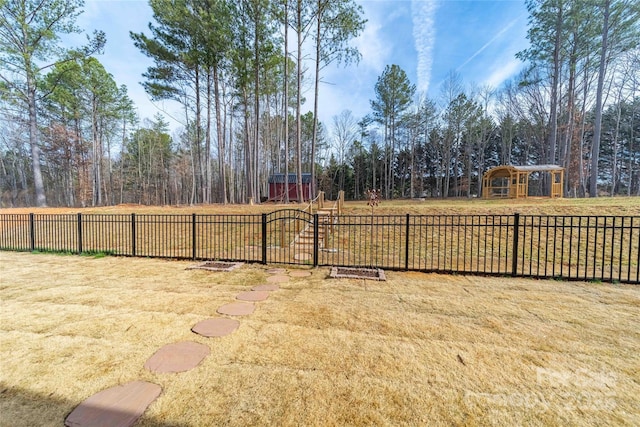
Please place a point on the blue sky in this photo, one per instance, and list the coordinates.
(427, 39)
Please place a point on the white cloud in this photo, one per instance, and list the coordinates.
(371, 45)
(424, 35)
(501, 73)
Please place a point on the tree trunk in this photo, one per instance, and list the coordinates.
(614, 162)
(314, 137)
(109, 194)
(390, 178)
(248, 155)
(198, 136)
(582, 188)
(299, 106)
(387, 156)
(96, 157)
(192, 158)
(595, 147)
(285, 105)
(208, 180)
(632, 158)
(553, 117)
(41, 199)
(568, 140)
(256, 136)
(221, 137)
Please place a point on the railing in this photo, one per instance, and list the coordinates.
(338, 204)
(604, 248)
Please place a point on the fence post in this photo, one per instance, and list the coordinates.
(516, 236)
(316, 240)
(193, 236)
(133, 234)
(32, 233)
(406, 245)
(264, 238)
(79, 233)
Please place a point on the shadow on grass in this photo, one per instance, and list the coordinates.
(24, 408)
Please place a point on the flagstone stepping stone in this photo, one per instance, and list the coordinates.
(237, 309)
(177, 357)
(300, 274)
(266, 287)
(118, 406)
(276, 271)
(253, 296)
(216, 327)
(278, 279)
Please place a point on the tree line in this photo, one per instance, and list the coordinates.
(70, 135)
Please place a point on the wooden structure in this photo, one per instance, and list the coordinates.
(277, 190)
(327, 216)
(338, 204)
(512, 182)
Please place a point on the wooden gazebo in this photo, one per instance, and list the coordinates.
(512, 182)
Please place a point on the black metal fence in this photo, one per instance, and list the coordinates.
(605, 248)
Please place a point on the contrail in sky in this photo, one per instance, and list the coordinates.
(490, 42)
(424, 37)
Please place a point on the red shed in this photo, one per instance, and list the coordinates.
(276, 187)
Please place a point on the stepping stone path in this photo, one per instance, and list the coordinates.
(216, 327)
(278, 279)
(177, 357)
(120, 406)
(237, 309)
(123, 405)
(253, 296)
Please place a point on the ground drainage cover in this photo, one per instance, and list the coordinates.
(357, 273)
(217, 266)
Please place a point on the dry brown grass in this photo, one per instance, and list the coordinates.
(531, 206)
(416, 350)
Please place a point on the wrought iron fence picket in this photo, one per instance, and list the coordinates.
(605, 248)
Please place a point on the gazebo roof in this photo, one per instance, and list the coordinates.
(507, 170)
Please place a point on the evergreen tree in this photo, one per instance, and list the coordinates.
(394, 93)
(30, 33)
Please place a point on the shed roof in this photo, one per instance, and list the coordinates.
(278, 178)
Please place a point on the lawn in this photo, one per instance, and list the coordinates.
(418, 349)
(531, 206)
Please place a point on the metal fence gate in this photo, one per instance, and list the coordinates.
(291, 236)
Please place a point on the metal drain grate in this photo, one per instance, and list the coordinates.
(217, 266)
(357, 273)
